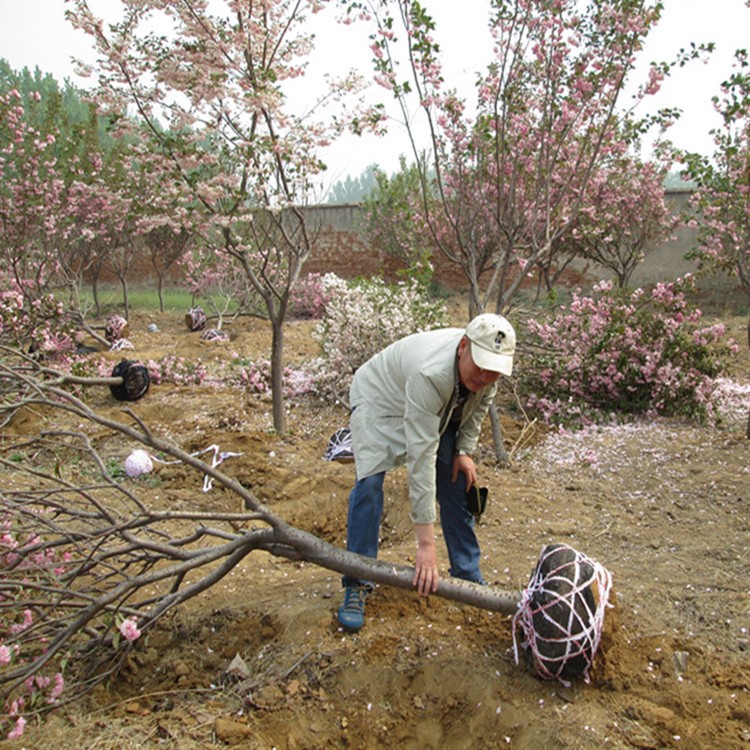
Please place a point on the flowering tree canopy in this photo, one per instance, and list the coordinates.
(619, 225)
(212, 99)
(513, 170)
(723, 196)
(58, 209)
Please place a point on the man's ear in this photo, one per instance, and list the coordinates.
(462, 344)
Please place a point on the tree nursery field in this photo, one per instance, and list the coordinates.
(662, 504)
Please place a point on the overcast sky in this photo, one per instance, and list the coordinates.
(34, 33)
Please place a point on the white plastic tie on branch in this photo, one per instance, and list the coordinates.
(218, 458)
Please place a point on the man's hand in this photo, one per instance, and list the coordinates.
(426, 572)
(466, 465)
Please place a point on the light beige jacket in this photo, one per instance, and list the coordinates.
(402, 399)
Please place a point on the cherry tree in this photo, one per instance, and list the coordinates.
(513, 169)
(61, 204)
(722, 201)
(86, 568)
(625, 218)
(723, 196)
(54, 205)
(504, 178)
(210, 91)
(165, 246)
(96, 212)
(32, 196)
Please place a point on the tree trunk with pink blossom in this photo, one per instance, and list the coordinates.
(721, 204)
(212, 98)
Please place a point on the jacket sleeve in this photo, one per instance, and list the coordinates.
(468, 433)
(422, 433)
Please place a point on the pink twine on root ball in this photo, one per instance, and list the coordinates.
(115, 328)
(561, 613)
(214, 334)
(195, 319)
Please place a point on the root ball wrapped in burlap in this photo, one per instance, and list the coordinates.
(561, 614)
(115, 328)
(136, 380)
(195, 319)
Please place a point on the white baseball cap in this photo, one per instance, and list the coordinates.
(493, 343)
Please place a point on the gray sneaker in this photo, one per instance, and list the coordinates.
(351, 613)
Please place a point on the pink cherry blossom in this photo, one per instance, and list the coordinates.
(129, 629)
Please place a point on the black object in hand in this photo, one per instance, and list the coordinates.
(476, 500)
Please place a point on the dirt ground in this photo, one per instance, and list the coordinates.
(664, 505)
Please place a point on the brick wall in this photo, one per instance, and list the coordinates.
(340, 248)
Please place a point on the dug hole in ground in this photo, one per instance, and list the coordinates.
(662, 504)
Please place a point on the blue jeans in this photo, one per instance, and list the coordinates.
(366, 511)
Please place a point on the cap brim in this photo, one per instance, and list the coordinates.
(492, 361)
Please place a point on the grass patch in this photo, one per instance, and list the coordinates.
(142, 297)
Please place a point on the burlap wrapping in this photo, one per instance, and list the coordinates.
(136, 380)
(195, 319)
(561, 613)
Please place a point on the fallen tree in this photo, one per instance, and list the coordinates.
(86, 564)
